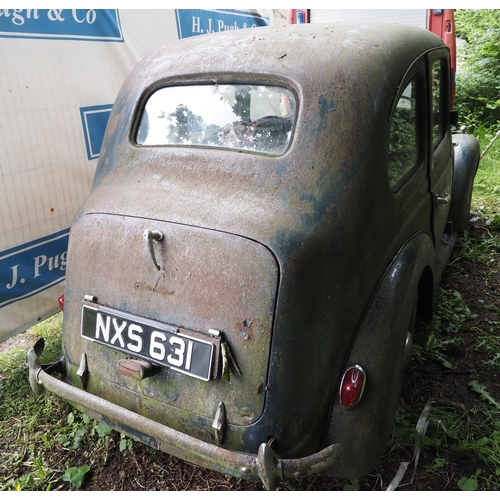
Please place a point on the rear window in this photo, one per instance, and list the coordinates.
(257, 118)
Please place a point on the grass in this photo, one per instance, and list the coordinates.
(486, 196)
(452, 433)
(45, 443)
(40, 435)
(22, 464)
(50, 331)
(451, 317)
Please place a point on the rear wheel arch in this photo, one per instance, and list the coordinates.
(467, 155)
(379, 347)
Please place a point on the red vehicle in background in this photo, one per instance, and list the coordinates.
(439, 21)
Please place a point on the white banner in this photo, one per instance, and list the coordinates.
(60, 70)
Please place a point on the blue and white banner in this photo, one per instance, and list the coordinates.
(60, 72)
(30, 268)
(101, 25)
(94, 122)
(193, 22)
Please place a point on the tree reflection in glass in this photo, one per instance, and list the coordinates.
(256, 118)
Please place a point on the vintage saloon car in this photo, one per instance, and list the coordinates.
(271, 210)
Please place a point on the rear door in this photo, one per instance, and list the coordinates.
(408, 156)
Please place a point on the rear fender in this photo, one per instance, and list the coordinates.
(467, 152)
(379, 348)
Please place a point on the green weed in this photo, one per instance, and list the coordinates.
(126, 443)
(49, 330)
(482, 391)
(477, 250)
(451, 317)
(76, 475)
(469, 483)
(352, 485)
(454, 434)
(39, 435)
(486, 194)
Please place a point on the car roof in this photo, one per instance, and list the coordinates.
(309, 54)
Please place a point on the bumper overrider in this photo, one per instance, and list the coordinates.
(264, 465)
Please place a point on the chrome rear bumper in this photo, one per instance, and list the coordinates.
(264, 465)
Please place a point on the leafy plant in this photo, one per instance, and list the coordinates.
(482, 391)
(486, 194)
(352, 485)
(76, 475)
(451, 317)
(478, 76)
(40, 434)
(125, 443)
(477, 250)
(469, 483)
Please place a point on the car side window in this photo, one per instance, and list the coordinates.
(403, 145)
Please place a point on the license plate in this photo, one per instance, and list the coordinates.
(160, 344)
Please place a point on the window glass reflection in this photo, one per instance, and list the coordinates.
(256, 118)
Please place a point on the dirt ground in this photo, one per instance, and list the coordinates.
(145, 469)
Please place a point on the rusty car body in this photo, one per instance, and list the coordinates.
(241, 291)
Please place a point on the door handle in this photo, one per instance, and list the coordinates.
(153, 235)
(442, 200)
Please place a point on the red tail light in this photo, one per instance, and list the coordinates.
(61, 302)
(352, 386)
